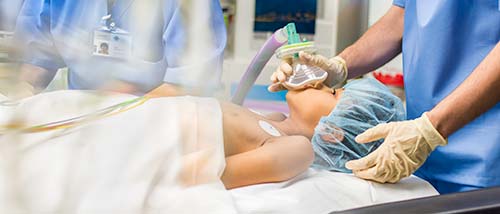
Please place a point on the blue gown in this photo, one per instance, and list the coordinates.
(59, 33)
(443, 41)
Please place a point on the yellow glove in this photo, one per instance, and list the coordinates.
(406, 146)
(335, 67)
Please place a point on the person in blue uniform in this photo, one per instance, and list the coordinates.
(145, 44)
(451, 63)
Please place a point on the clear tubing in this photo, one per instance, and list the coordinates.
(253, 71)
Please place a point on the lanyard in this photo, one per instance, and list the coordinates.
(109, 20)
(111, 4)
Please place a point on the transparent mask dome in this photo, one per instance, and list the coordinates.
(304, 76)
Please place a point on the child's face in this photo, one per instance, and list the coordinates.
(309, 105)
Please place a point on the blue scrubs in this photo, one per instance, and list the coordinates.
(443, 41)
(59, 33)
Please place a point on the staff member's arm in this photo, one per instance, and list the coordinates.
(40, 57)
(166, 90)
(381, 43)
(482, 90)
(32, 80)
(408, 144)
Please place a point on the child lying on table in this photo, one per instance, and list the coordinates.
(320, 130)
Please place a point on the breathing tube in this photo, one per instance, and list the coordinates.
(72, 122)
(278, 39)
(286, 43)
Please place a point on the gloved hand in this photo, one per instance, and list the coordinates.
(406, 146)
(336, 68)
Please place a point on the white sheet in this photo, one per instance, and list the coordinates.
(129, 163)
(323, 192)
(133, 162)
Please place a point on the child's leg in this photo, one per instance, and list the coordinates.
(277, 160)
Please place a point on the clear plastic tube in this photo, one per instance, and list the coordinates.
(303, 76)
(278, 39)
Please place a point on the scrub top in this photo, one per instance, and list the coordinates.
(60, 33)
(443, 41)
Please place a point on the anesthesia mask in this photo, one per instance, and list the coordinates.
(303, 76)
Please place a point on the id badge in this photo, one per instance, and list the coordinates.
(115, 44)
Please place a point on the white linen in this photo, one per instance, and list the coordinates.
(165, 156)
(134, 162)
(323, 192)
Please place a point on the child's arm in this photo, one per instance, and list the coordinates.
(279, 159)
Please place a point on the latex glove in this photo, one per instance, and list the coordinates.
(336, 68)
(406, 147)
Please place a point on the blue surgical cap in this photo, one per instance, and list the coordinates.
(364, 104)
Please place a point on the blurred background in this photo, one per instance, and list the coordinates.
(331, 24)
(8, 13)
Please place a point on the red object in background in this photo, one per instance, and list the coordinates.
(390, 79)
